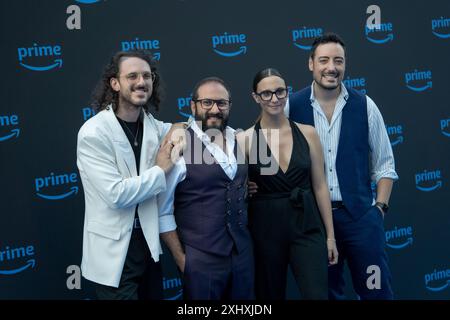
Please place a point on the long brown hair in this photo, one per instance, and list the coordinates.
(104, 95)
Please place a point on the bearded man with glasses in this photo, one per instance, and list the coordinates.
(205, 206)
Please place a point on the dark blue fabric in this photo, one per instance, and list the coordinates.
(352, 161)
(209, 208)
(362, 244)
(209, 276)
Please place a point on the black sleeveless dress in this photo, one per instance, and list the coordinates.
(285, 223)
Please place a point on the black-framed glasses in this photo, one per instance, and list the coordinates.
(134, 77)
(207, 104)
(267, 95)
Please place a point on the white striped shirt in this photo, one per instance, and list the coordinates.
(381, 156)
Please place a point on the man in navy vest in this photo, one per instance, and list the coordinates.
(357, 151)
(203, 213)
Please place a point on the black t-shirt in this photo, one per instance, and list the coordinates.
(134, 132)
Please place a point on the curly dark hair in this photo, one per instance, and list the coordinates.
(103, 94)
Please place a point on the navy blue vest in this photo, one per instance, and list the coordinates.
(352, 161)
(210, 209)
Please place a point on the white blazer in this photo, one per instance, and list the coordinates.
(112, 190)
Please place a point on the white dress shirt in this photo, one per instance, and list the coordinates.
(226, 161)
(381, 156)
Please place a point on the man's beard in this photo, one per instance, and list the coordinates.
(128, 100)
(207, 115)
(332, 87)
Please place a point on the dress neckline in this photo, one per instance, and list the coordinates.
(258, 127)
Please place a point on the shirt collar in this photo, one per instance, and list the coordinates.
(229, 132)
(343, 94)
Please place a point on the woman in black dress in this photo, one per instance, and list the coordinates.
(290, 214)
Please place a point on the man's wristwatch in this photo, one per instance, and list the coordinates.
(383, 206)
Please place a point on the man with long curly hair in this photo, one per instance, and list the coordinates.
(123, 165)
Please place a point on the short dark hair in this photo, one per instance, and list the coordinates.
(103, 94)
(268, 72)
(207, 80)
(326, 38)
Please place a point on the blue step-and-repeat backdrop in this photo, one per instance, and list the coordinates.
(52, 56)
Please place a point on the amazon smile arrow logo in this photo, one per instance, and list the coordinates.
(442, 276)
(428, 189)
(298, 45)
(385, 28)
(389, 37)
(440, 35)
(305, 34)
(11, 254)
(184, 106)
(53, 180)
(30, 263)
(428, 177)
(57, 64)
(441, 23)
(229, 40)
(424, 76)
(429, 85)
(14, 132)
(174, 285)
(73, 191)
(397, 141)
(7, 121)
(177, 296)
(408, 242)
(395, 130)
(242, 49)
(404, 235)
(87, 1)
(445, 124)
(35, 51)
(435, 289)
